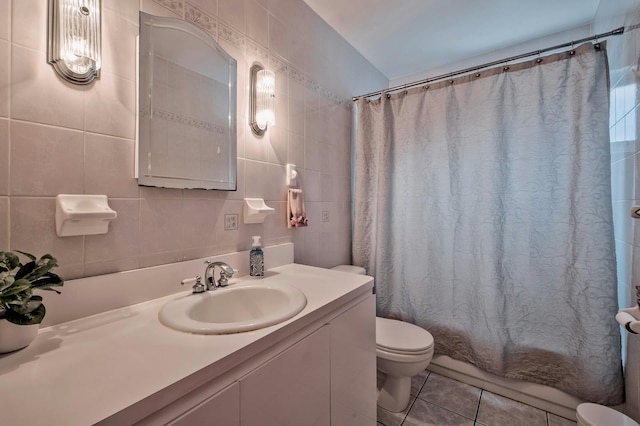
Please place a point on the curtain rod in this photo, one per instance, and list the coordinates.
(617, 31)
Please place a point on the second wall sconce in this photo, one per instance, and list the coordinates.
(74, 45)
(262, 99)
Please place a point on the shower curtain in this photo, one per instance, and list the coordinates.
(482, 208)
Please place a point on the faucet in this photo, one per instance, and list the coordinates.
(226, 272)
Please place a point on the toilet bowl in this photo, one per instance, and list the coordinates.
(402, 351)
(589, 414)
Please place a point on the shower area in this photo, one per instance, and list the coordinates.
(485, 205)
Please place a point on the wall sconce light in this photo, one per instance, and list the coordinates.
(74, 39)
(262, 99)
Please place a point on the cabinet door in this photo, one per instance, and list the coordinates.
(292, 389)
(221, 409)
(353, 366)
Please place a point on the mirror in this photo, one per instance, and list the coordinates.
(187, 107)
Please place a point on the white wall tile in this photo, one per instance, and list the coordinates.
(209, 7)
(5, 83)
(29, 23)
(295, 151)
(256, 21)
(108, 166)
(36, 217)
(169, 9)
(160, 225)
(4, 157)
(118, 45)
(232, 12)
(4, 223)
(39, 95)
(5, 22)
(199, 230)
(109, 107)
(127, 9)
(121, 242)
(45, 161)
(278, 37)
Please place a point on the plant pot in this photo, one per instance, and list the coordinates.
(14, 337)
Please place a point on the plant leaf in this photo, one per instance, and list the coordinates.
(17, 287)
(6, 282)
(25, 270)
(34, 270)
(29, 255)
(8, 261)
(33, 317)
(47, 281)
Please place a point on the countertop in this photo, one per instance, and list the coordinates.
(84, 371)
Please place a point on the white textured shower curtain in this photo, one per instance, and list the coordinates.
(483, 209)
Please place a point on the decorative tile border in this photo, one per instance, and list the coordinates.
(201, 19)
(176, 6)
(257, 50)
(230, 35)
(278, 65)
(188, 121)
(220, 30)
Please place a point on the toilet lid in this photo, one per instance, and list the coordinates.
(595, 415)
(351, 269)
(399, 336)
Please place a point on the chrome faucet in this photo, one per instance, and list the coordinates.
(226, 272)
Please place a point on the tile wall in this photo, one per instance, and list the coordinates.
(61, 138)
(624, 52)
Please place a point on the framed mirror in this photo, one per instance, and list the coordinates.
(187, 107)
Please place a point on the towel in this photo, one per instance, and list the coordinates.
(296, 214)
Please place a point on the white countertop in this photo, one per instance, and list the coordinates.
(83, 371)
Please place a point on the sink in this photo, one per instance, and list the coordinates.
(243, 307)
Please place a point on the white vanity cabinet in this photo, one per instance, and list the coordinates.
(222, 409)
(321, 378)
(292, 389)
(353, 366)
(123, 367)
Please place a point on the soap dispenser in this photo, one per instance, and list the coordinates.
(256, 258)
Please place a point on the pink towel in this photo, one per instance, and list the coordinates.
(296, 214)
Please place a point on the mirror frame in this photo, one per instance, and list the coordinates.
(145, 119)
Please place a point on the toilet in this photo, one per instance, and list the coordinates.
(589, 414)
(403, 350)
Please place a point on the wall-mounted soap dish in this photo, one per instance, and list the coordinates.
(255, 210)
(78, 214)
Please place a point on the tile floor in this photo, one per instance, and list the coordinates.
(439, 401)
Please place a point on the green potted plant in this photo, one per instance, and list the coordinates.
(22, 311)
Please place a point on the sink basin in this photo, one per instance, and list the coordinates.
(243, 307)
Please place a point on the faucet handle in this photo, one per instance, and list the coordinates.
(198, 287)
(223, 281)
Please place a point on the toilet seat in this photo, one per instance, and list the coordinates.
(403, 338)
(589, 414)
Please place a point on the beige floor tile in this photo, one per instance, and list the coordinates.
(559, 421)
(496, 410)
(423, 413)
(452, 395)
